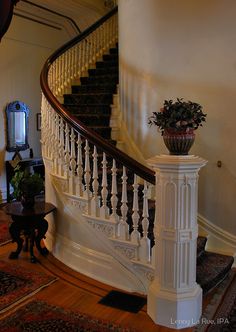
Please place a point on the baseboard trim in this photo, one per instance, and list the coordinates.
(94, 264)
(219, 240)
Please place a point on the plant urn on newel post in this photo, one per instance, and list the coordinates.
(177, 122)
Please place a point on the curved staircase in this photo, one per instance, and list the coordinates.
(101, 184)
(91, 103)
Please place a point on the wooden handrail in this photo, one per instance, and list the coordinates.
(89, 134)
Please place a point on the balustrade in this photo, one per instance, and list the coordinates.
(72, 159)
(75, 157)
(112, 189)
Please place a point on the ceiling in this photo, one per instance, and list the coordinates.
(83, 12)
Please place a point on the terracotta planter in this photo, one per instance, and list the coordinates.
(178, 143)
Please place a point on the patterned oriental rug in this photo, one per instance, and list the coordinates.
(4, 233)
(41, 316)
(18, 283)
(220, 313)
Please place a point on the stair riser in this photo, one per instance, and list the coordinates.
(97, 99)
(114, 50)
(108, 88)
(105, 64)
(95, 109)
(103, 71)
(104, 132)
(94, 120)
(112, 79)
(110, 57)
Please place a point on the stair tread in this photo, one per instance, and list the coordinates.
(212, 269)
(93, 115)
(96, 85)
(98, 126)
(88, 93)
(85, 105)
(101, 76)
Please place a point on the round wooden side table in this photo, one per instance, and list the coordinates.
(31, 221)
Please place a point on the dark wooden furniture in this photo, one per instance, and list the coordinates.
(31, 223)
(34, 165)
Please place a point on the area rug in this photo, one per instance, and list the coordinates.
(18, 283)
(4, 232)
(41, 316)
(123, 301)
(220, 313)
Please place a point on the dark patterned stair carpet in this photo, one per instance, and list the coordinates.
(201, 243)
(89, 109)
(94, 119)
(100, 79)
(91, 88)
(213, 269)
(91, 103)
(89, 98)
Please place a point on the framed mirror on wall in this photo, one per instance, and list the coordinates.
(17, 116)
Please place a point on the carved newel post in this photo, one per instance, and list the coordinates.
(174, 297)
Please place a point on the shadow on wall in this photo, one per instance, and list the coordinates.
(221, 189)
(143, 93)
(139, 98)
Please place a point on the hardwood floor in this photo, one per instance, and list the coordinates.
(77, 292)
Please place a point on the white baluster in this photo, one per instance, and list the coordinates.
(123, 226)
(144, 251)
(79, 185)
(79, 70)
(95, 199)
(54, 141)
(83, 56)
(71, 66)
(75, 63)
(135, 215)
(87, 173)
(43, 125)
(114, 199)
(104, 209)
(46, 136)
(50, 147)
(56, 77)
(67, 151)
(59, 76)
(61, 148)
(57, 143)
(72, 163)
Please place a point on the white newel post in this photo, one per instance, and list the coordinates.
(174, 297)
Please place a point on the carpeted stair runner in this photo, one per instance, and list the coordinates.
(91, 103)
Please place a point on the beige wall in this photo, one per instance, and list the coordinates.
(186, 49)
(23, 51)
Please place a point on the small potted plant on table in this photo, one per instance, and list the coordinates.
(26, 186)
(177, 122)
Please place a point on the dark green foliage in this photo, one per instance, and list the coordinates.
(26, 184)
(178, 116)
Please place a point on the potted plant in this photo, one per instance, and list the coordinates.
(26, 186)
(177, 121)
